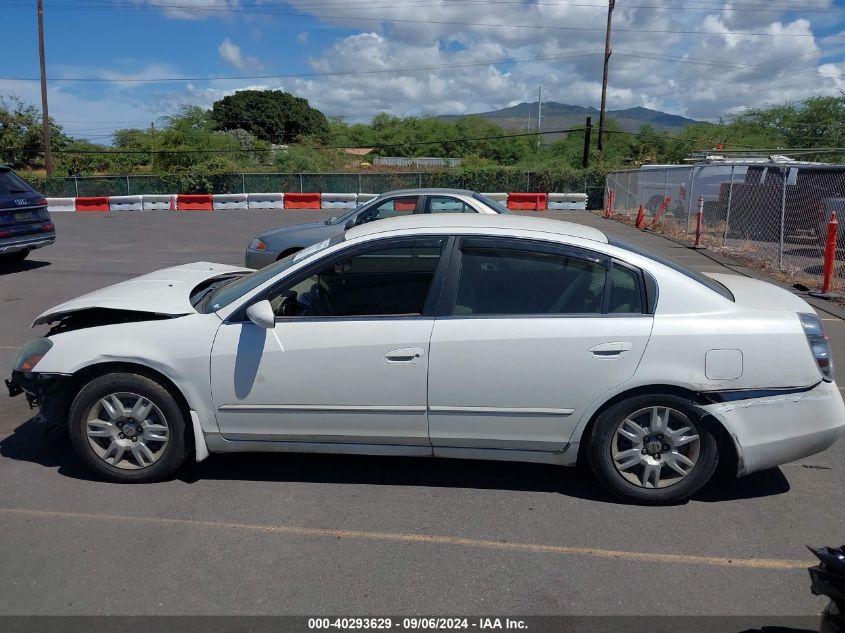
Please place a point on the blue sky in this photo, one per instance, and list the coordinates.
(701, 58)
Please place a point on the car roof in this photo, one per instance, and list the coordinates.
(465, 222)
(426, 190)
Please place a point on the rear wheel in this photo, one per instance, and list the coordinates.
(14, 258)
(127, 428)
(652, 449)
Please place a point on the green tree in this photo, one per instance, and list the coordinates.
(270, 115)
(21, 141)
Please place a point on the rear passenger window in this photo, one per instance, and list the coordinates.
(511, 281)
(625, 294)
(443, 204)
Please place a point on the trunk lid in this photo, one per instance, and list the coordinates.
(760, 295)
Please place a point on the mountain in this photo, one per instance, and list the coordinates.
(561, 116)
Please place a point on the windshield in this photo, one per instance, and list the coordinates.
(498, 208)
(346, 216)
(225, 294)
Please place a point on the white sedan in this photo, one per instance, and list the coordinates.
(465, 336)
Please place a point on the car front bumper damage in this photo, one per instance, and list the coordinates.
(51, 393)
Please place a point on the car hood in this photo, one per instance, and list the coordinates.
(284, 234)
(165, 291)
(760, 295)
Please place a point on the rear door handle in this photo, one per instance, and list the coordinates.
(404, 355)
(611, 350)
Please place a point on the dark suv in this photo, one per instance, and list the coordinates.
(24, 221)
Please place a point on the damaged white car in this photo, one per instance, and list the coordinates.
(488, 337)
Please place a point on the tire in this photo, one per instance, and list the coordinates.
(615, 450)
(158, 448)
(14, 258)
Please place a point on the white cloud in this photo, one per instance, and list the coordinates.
(197, 9)
(702, 63)
(231, 53)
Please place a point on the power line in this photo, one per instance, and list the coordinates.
(504, 60)
(350, 73)
(700, 5)
(328, 147)
(457, 23)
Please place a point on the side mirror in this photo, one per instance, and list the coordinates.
(261, 314)
(349, 224)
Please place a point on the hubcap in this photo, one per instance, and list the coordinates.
(655, 447)
(127, 431)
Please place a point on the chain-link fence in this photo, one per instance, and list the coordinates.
(772, 215)
(589, 182)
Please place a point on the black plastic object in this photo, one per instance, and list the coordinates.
(828, 579)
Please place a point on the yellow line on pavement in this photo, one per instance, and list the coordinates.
(402, 537)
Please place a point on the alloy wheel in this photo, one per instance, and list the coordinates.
(655, 447)
(127, 430)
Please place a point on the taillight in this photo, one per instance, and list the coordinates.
(41, 202)
(48, 227)
(5, 234)
(257, 245)
(819, 345)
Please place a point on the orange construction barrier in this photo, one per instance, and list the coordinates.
(94, 203)
(830, 253)
(194, 202)
(640, 218)
(527, 201)
(302, 200)
(405, 204)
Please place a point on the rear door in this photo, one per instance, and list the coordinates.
(529, 335)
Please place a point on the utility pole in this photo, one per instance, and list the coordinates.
(585, 161)
(45, 115)
(610, 5)
(539, 114)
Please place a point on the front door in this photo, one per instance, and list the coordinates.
(348, 358)
(530, 337)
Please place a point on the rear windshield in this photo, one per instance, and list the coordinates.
(498, 208)
(11, 183)
(704, 280)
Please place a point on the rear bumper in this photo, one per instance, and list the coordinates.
(778, 429)
(26, 242)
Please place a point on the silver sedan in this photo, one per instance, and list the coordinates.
(275, 244)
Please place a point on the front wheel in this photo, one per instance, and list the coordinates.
(127, 428)
(652, 450)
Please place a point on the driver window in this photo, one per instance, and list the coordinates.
(389, 280)
(406, 205)
(512, 281)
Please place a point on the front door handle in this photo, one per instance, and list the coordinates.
(611, 350)
(404, 355)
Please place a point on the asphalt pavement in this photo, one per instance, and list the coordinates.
(308, 535)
